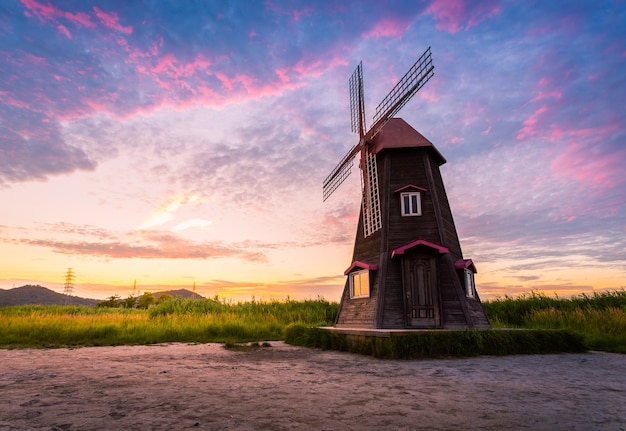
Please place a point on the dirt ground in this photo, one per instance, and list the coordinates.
(204, 386)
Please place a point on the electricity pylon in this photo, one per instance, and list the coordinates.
(69, 284)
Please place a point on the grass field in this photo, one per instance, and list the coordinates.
(600, 319)
(177, 320)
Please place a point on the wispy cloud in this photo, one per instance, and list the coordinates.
(155, 245)
(453, 16)
(191, 224)
(167, 211)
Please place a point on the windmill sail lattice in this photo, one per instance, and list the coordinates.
(400, 94)
(339, 175)
(357, 103)
(371, 202)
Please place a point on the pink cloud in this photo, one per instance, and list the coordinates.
(17, 103)
(531, 125)
(64, 30)
(111, 20)
(246, 82)
(473, 112)
(34, 59)
(185, 81)
(455, 15)
(429, 92)
(544, 95)
(596, 175)
(580, 161)
(594, 77)
(529, 128)
(388, 27)
(314, 68)
(50, 13)
(171, 66)
(544, 91)
(171, 73)
(96, 106)
(296, 15)
(165, 62)
(226, 81)
(309, 67)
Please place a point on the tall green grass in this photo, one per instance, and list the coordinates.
(600, 318)
(177, 320)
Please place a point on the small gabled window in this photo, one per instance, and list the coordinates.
(359, 284)
(470, 288)
(411, 204)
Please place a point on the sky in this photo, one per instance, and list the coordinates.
(183, 144)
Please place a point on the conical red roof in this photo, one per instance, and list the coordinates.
(397, 133)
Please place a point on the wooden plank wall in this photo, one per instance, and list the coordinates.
(479, 318)
(407, 167)
(451, 236)
(361, 312)
(393, 305)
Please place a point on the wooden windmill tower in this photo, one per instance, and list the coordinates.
(407, 269)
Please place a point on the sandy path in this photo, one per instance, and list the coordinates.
(282, 387)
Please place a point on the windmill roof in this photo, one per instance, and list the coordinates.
(397, 133)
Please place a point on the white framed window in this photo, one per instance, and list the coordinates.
(470, 289)
(411, 204)
(359, 284)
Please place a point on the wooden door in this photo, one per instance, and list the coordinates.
(421, 297)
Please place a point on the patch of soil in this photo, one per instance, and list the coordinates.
(282, 387)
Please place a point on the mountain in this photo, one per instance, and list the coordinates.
(40, 295)
(183, 293)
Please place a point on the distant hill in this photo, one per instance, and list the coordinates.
(40, 295)
(183, 293)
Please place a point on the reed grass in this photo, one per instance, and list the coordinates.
(600, 318)
(177, 320)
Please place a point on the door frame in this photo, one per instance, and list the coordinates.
(433, 310)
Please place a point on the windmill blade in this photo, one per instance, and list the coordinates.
(357, 101)
(411, 82)
(357, 117)
(340, 173)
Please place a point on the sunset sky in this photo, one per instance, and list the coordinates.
(181, 143)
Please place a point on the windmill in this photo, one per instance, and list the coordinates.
(400, 94)
(407, 270)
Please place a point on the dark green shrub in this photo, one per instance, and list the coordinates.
(438, 343)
